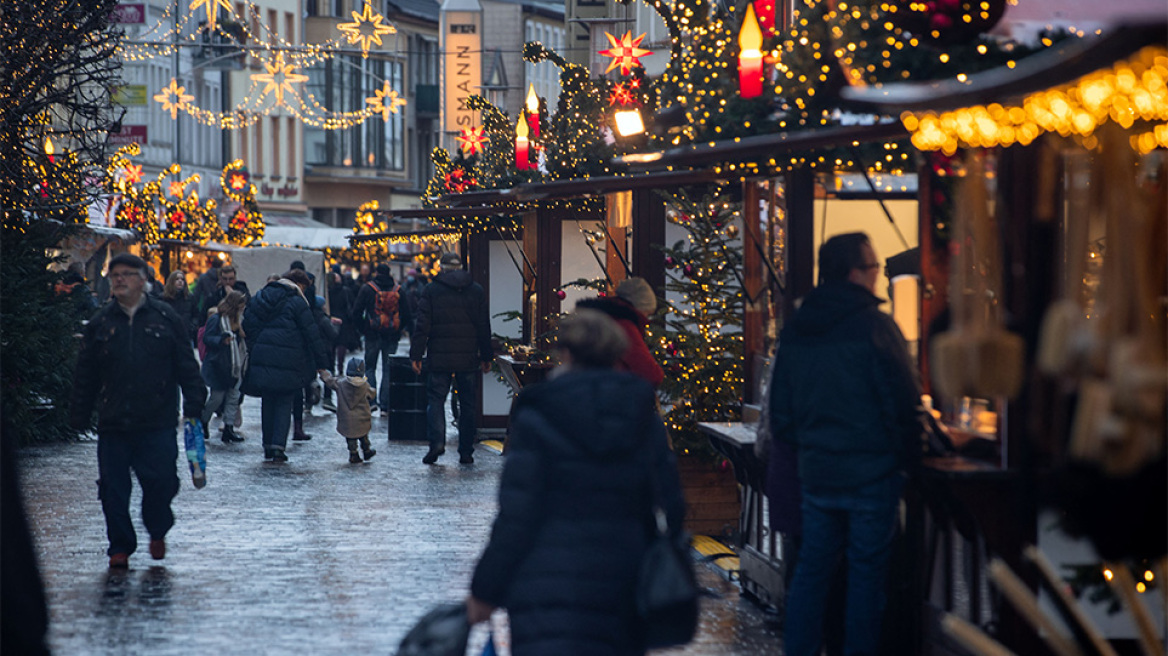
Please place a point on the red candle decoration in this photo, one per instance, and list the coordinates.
(522, 147)
(765, 9)
(750, 56)
(532, 104)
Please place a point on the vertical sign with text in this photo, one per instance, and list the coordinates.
(462, 68)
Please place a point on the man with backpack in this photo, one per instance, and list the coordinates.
(382, 313)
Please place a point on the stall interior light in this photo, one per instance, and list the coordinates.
(629, 122)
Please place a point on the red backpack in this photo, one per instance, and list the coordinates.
(385, 312)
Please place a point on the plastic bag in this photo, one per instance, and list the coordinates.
(196, 448)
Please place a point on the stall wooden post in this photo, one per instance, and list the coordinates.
(754, 313)
(618, 217)
(648, 232)
(542, 235)
(800, 237)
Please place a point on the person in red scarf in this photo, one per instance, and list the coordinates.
(630, 307)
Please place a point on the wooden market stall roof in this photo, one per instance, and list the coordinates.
(1057, 65)
(762, 148)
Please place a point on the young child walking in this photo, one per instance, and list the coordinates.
(353, 416)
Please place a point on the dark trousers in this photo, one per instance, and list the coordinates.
(276, 418)
(437, 387)
(386, 346)
(857, 522)
(151, 455)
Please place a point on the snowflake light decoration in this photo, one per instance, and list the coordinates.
(385, 101)
(173, 97)
(366, 28)
(132, 174)
(625, 52)
(212, 9)
(279, 78)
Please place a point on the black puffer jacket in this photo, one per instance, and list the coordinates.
(452, 329)
(574, 514)
(283, 342)
(844, 390)
(133, 370)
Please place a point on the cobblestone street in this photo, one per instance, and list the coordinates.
(316, 556)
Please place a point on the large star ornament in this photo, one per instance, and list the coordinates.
(279, 78)
(173, 97)
(625, 52)
(472, 140)
(366, 28)
(385, 101)
(132, 174)
(212, 9)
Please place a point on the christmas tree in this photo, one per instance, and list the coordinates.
(701, 345)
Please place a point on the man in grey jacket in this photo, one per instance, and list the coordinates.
(453, 332)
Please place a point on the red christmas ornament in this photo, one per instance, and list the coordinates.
(561, 294)
(688, 270)
(670, 263)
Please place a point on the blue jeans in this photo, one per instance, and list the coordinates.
(860, 522)
(151, 455)
(386, 345)
(437, 387)
(276, 418)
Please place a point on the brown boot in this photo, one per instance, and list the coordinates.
(298, 433)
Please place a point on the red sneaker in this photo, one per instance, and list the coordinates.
(158, 549)
(119, 561)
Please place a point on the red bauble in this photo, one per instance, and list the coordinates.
(688, 270)
(670, 263)
(941, 22)
(561, 294)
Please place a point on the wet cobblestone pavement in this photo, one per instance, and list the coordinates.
(316, 556)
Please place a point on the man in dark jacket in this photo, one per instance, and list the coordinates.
(379, 340)
(204, 293)
(135, 354)
(285, 352)
(453, 332)
(845, 394)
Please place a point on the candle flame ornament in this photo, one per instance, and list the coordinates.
(625, 52)
(750, 56)
(522, 147)
(532, 104)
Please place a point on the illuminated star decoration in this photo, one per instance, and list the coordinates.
(621, 95)
(176, 188)
(357, 32)
(472, 140)
(212, 9)
(279, 78)
(238, 181)
(625, 52)
(132, 174)
(179, 95)
(385, 101)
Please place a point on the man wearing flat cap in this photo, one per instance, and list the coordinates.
(135, 355)
(453, 332)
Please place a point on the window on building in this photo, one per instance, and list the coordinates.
(342, 84)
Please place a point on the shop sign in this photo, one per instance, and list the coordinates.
(129, 134)
(131, 94)
(462, 68)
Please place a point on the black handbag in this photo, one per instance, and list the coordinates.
(667, 591)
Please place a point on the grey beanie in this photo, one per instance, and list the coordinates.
(355, 368)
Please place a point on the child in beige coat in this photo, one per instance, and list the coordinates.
(354, 418)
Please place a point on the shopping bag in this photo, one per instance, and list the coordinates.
(196, 448)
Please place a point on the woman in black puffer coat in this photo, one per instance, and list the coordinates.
(285, 351)
(575, 503)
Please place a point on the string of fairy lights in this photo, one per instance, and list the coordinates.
(281, 84)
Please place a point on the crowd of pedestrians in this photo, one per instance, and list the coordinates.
(588, 454)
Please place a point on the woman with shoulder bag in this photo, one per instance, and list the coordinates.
(587, 463)
(225, 362)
